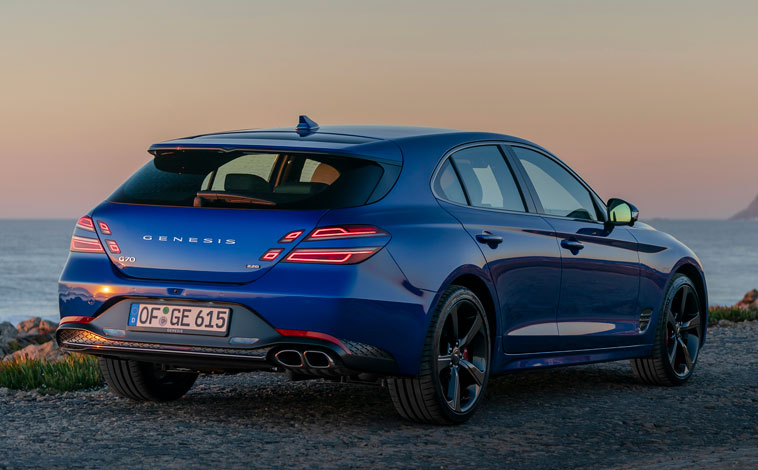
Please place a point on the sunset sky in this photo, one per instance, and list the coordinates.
(652, 101)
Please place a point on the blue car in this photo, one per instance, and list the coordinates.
(423, 260)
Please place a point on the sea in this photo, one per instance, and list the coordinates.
(33, 252)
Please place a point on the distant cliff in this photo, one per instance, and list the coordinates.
(751, 213)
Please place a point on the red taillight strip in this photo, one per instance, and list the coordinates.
(86, 245)
(345, 231)
(313, 334)
(104, 227)
(73, 319)
(113, 246)
(291, 237)
(331, 256)
(271, 254)
(86, 223)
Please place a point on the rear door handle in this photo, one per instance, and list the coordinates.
(573, 245)
(489, 239)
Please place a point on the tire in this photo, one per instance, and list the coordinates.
(455, 364)
(678, 337)
(143, 381)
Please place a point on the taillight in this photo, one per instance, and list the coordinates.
(271, 254)
(86, 223)
(345, 231)
(291, 237)
(331, 255)
(113, 246)
(86, 245)
(104, 227)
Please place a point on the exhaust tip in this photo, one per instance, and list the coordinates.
(318, 360)
(289, 358)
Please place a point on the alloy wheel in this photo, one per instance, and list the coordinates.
(683, 330)
(462, 356)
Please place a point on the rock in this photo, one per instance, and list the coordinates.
(750, 213)
(8, 335)
(36, 326)
(750, 301)
(48, 351)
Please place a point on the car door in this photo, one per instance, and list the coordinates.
(599, 292)
(476, 185)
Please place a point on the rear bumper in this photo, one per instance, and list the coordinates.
(370, 303)
(104, 336)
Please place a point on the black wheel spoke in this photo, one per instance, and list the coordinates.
(454, 390)
(473, 371)
(670, 318)
(693, 323)
(443, 362)
(472, 332)
(683, 308)
(672, 350)
(685, 353)
(454, 322)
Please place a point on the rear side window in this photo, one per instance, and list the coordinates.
(448, 186)
(559, 192)
(487, 179)
(204, 178)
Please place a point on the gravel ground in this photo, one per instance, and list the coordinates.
(593, 416)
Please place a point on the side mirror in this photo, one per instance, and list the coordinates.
(621, 212)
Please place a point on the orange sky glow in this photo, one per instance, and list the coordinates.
(652, 101)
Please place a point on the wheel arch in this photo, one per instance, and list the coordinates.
(485, 292)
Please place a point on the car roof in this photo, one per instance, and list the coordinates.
(389, 143)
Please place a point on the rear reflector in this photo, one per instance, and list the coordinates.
(86, 245)
(271, 254)
(86, 223)
(104, 227)
(113, 246)
(73, 319)
(313, 334)
(331, 256)
(290, 237)
(345, 231)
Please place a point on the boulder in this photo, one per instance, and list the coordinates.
(36, 326)
(750, 301)
(8, 335)
(48, 351)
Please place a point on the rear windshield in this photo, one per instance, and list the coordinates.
(203, 178)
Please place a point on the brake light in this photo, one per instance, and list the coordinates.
(271, 254)
(291, 237)
(345, 231)
(113, 246)
(331, 256)
(86, 245)
(104, 228)
(86, 223)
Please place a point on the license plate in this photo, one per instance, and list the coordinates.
(186, 319)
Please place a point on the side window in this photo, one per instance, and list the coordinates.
(558, 190)
(448, 186)
(487, 179)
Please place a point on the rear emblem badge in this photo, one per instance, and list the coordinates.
(253, 266)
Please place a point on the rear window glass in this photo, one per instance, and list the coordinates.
(202, 178)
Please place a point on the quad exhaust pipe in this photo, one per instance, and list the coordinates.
(295, 359)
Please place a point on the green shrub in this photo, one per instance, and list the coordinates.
(731, 314)
(74, 372)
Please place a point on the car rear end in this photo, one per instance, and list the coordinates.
(214, 258)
